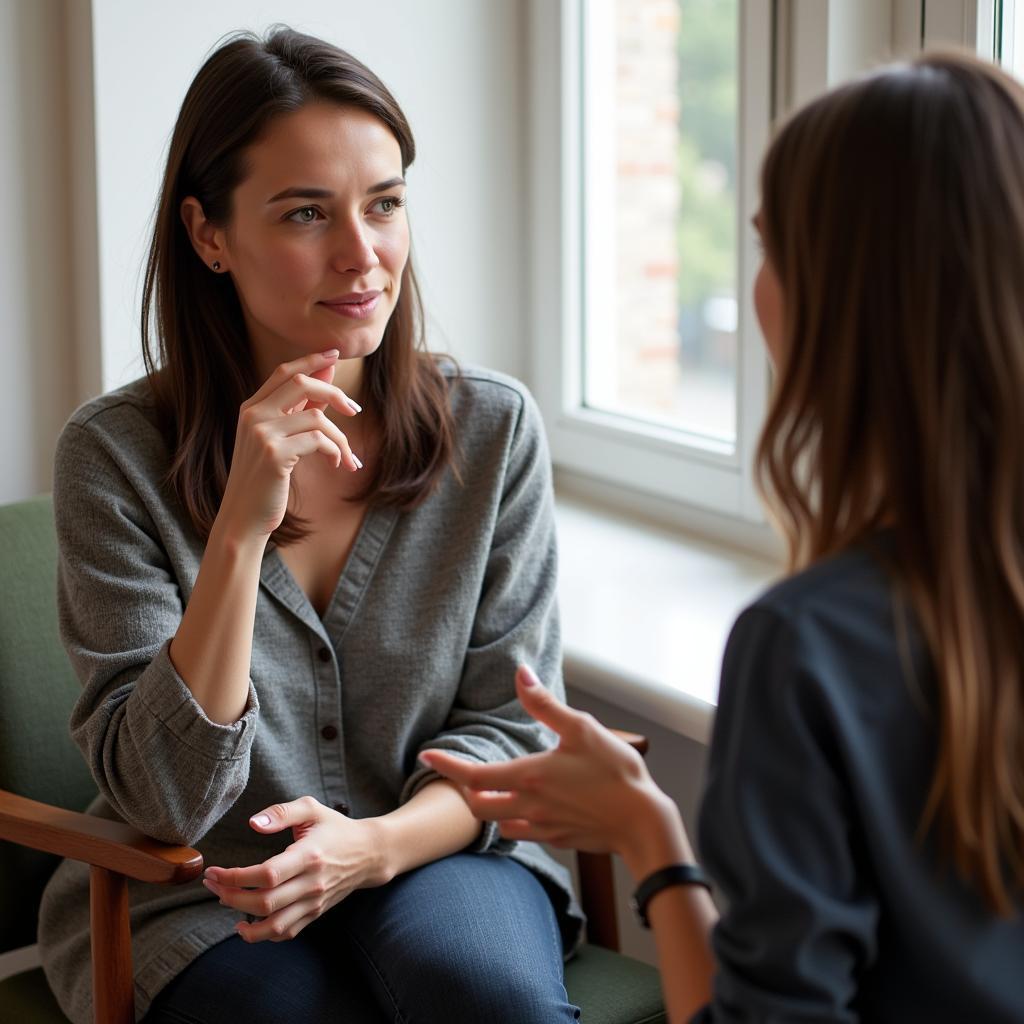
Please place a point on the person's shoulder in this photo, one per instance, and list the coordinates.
(482, 386)
(834, 625)
(129, 404)
(852, 581)
(486, 401)
(121, 421)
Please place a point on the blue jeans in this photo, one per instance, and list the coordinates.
(470, 938)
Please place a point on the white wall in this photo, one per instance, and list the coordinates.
(37, 369)
(453, 65)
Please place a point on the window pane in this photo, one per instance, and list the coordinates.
(661, 311)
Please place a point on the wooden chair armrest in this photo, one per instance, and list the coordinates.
(634, 739)
(97, 841)
(597, 880)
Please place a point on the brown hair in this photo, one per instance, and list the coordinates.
(893, 215)
(199, 363)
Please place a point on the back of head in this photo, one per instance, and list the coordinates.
(893, 213)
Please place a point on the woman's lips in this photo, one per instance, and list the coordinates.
(355, 309)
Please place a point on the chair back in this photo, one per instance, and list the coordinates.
(37, 691)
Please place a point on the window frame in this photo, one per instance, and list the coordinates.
(789, 50)
(617, 450)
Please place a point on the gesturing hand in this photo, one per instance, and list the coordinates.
(331, 856)
(592, 792)
(283, 422)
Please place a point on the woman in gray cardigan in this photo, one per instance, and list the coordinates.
(295, 555)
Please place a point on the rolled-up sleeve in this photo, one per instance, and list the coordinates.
(777, 834)
(157, 759)
(516, 622)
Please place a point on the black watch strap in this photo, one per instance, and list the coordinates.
(674, 874)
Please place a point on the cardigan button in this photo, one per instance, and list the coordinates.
(324, 654)
(343, 808)
(329, 732)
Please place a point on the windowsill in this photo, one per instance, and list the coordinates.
(646, 611)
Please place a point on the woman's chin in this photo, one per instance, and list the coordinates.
(352, 342)
(359, 347)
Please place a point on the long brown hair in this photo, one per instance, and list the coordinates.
(195, 344)
(893, 215)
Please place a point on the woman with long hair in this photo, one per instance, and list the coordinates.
(864, 812)
(297, 553)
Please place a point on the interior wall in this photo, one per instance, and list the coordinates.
(37, 385)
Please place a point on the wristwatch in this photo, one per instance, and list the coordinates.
(674, 874)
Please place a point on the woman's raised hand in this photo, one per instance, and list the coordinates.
(592, 792)
(284, 421)
(331, 856)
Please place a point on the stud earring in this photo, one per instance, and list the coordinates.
(216, 264)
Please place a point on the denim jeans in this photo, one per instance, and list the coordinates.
(471, 938)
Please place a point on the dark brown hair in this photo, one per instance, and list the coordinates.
(893, 215)
(195, 344)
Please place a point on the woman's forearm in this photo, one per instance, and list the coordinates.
(212, 649)
(435, 823)
(681, 917)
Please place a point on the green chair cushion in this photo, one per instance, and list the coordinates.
(614, 989)
(26, 998)
(37, 692)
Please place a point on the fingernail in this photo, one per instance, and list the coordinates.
(331, 353)
(261, 819)
(529, 679)
(354, 405)
(208, 873)
(355, 459)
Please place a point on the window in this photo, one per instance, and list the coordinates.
(660, 117)
(649, 366)
(648, 121)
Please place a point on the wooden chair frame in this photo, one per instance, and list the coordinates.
(117, 852)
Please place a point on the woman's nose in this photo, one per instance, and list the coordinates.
(354, 251)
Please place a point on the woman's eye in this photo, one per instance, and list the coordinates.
(304, 215)
(389, 204)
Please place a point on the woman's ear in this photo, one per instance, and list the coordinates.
(207, 239)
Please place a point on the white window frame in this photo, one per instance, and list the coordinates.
(970, 23)
(790, 50)
(1010, 33)
(628, 453)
